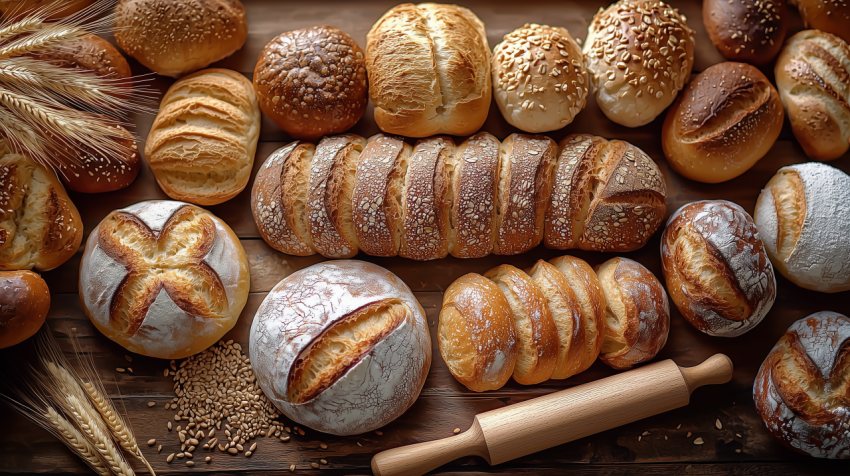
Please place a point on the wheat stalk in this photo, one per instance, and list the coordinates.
(91, 427)
(76, 441)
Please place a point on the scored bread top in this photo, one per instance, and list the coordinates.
(474, 184)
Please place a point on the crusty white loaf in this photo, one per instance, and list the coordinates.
(341, 347)
(429, 70)
(803, 217)
(800, 390)
(639, 55)
(163, 278)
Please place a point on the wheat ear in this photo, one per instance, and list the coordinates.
(23, 26)
(72, 437)
(89, 425)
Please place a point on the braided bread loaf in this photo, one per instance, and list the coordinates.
(423, 202)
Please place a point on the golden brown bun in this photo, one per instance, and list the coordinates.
(727, 119)
(831, 16)
(201, 145)
(475, 183)
(331, 183)
(585, 285)
(606, 196)
(639, 55)
(378, 197)
(279, 199)
(88, 171)
(812, 74)
(637, 318)
(164, 279)
(751, 31)
(312, 82)
(429, 70)
(525, 184)
(537, 336)
(539, 79)
(39, 225)
(177, 37)
(476, 333)
(91, 53)
(801, 388)
(24, 302)
(716, 267)
(21, 8)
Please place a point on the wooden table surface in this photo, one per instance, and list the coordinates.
(658, 445)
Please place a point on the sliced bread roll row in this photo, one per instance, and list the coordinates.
(425, 201)
(551, 321)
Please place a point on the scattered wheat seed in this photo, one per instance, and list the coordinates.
(119, 369)
(379, 432)
(689, 435)
(314, 465)
(284, 438)
(456, 431)
(159, 449)
(248, 454)
(718, 424)
(207, 459)
(150, 404)
(323, 461)
(300, 431)
(170, 457)
(639, 437)
(165, 373)
(190, 463)
(253, 447)
(130, 369)
(680, 426)
(698, 441)
(292, 468)
(738, 435)
(645, 433)
(738, 450)
(128, 358)
(232, 451)
(358, 444)
(169, 425)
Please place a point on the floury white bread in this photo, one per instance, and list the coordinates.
(164, 279)
(803, 217)
(341, 347)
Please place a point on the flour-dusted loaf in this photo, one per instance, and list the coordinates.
(177, 37)
(539, 78)
(717, 269)
(803, 217)
(639, 55)
(476, 333)
(24, 302)
(606, 196)
(751, 31)
(801, 388)
(813, 79)
(201, 145)
(163, 278)
(341, 347)
(429, 70)
(637, 318)
(39, 225)
(831, 16)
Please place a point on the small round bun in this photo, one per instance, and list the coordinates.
(177, 37)
(803, 217)
(800, 390)
(811, 75)
(164, 279)
(476, 333)
(727, 119)
(830, 16)
(88, 171)
(637, 317)
(750, 31)
(716, 267)
(312, 82)
(341, 347)
(24, 302)
(537, 335)
(639, 55)
(539, 79)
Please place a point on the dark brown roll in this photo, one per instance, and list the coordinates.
(751, 31)
(24, 302)
(831, 16)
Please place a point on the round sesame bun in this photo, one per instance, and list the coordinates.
(751, 31)
(312, 82)
(89, 171)
(639, 55)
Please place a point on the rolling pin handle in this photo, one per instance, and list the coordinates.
(418, 459)
(716, 369)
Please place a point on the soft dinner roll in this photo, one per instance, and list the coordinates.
(539, 79)
(801, 388)
(89, 171)
(330, 186)
(475, 183)
(279, 199)
(176, 37)
(202, 143)
(606, 196)
(312, 82)
(813, 78)
(637, 318)
(751, 31)
(39, 225)
(727, 119)
(537, 336)
(476, 333)
(429, 70)
(164, 279)
(341, 347)
(525, 184)
(716, 267)
(639, 54)
(803, 217)
(831, 16)
(24, 302)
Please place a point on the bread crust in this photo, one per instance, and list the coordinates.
(475, 182)
(828, 16)
(88, 171)
(24, 302)
(91, 53)
(751, 31)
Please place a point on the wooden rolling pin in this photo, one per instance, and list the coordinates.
(543, 422)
